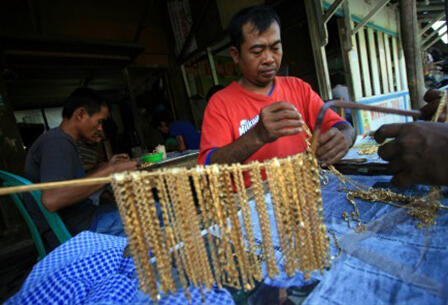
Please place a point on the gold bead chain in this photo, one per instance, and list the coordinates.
(215, 199)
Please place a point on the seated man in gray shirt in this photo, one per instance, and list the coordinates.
(54, 157)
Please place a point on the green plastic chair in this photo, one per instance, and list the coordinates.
(53, 219)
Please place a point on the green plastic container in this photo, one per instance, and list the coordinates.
(152, 158)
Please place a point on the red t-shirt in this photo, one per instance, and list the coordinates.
(233, 110)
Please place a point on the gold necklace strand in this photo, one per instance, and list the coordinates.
(440, 107)
(213, 172)
(291, 227)
(198, 242)
(254, 270)
(320, 231)
(182, 217)
(237, 235)
(268, 249)
(172, 208)
(229, 265)
(226, 194)
(139, 250)
(298, 205)
(315, 168)
(310, 213)
(291, 224)
(169, 235)
(424, 209)
(199, 252)
(283, 232)
(209, 224)
(295, 201)
(160, 250)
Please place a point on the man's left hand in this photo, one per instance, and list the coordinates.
(333, 145)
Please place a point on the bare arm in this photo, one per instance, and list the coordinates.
(180, 140)
(276, 120)
(53, 200)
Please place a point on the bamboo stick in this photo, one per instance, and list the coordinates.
(54, 185)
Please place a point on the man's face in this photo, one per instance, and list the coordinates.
(164, 128)
(92, 125)
(260, 55)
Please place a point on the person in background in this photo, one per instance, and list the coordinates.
(186, 135)
(54, 156)
(340, 91)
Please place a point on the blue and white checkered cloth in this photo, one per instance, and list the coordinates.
(90, 269)
(391, 263)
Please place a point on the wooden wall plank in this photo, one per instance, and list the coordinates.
(396, 64)
(355, 69)
(374, 68)
(383, 64)
(390, 76)
(364, 63)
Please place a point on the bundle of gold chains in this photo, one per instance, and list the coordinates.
(206, 232)
(424, 208)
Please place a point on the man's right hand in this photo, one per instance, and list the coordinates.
(121, 162)
(278, 120)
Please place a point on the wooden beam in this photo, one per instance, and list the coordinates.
(12, 153)
(66, 55)
(412, 51)
(380, 4)
(145, 11)
(427, 46)
(433, 34)
(332, 10)
(347, 28)
(431, 23)
(430, 8)
(314, 14)
(211, 62)
(34, 16)
(134, 109)
(194, 28)
(189, 95)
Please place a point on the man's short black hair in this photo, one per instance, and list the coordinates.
(83, 97)
(157, 120)
(261, 16)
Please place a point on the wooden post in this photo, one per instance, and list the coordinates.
(12, 153)
(134, 109)
(12, 159)
(412, 51)
(317, 29)
(211, 63)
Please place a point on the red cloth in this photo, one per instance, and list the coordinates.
(233, 110)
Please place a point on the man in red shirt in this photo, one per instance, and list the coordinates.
(261, 116)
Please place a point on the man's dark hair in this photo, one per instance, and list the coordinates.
(261, 16)
(161, 117)
(83, 97)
